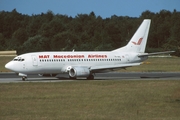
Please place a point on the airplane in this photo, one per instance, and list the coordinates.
(85, 63)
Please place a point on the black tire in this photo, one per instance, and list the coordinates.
(90, 77)
(23, 78)
(72, 77)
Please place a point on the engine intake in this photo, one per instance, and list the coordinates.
(79, 72)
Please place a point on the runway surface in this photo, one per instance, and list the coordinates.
(12, 77)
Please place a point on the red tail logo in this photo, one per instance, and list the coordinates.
(139, 41)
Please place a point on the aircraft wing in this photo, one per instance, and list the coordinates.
(104, 67)
(156, 53)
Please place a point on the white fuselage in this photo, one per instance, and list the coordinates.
(61, 62)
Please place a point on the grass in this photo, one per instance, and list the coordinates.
(171, 64)
(97, 100)
(3, 61)
(93, 100)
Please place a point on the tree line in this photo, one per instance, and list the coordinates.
(56, 32)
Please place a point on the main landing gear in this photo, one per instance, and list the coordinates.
(90, 77)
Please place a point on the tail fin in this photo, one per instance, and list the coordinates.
(139, 39)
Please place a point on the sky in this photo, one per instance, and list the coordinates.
(103, 8)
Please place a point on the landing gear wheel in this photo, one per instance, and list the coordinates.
(24, 78)
(72, 77)
(90, 77)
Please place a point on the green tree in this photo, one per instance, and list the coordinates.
(52, 28)
(20, 36)
(34, 44)
(47, 31)
(2, 42)
(64, 41)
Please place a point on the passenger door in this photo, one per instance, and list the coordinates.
(34, 60)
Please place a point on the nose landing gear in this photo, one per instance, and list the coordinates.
(24, 76)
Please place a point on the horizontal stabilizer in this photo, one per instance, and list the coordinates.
(156, 53)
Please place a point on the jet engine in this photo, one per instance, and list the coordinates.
(79, 72)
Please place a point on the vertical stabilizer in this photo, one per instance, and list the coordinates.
(139, 39)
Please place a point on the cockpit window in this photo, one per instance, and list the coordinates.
(15, 59)
(18, 59)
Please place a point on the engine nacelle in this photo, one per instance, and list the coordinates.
(47, 75)
(79, 72)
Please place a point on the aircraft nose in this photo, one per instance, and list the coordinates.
(9, 66)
